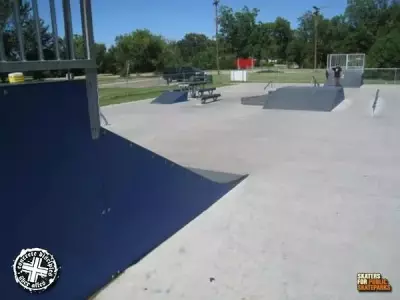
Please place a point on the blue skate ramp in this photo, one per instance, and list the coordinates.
(305, 98)
(171, 97)
(350, 78)
(98, 206)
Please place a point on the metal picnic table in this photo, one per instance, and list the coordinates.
(192, 87)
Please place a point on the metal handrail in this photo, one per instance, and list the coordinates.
(315, 81)
(103, 117)
(268, 84)
(375, 101)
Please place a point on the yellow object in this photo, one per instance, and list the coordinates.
(16, 77)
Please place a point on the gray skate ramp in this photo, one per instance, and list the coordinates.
(254, 100)
(305, 98)
(171, 97)
(258, 100)
(350, 78)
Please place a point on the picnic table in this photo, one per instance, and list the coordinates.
(193, 87)
(208, 93)
(197, 89)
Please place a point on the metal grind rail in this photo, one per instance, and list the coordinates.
(269, 84)
(375, 101)
(19, 63)
(315, 82)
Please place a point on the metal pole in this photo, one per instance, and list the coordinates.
(68, 29)
(37, 27)
(17, 25)
(216, 2)
(91, 74)
(54, 27)
(2, 49)
(86, 51)
(69, 41)
(316, 13)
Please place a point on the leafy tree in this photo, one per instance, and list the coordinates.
(110, 64)
(80, 51)
(171, 55)
(298, 49)
(282, 35)
(385, 53)
(236, 29)
(192, 44)
(140, 49)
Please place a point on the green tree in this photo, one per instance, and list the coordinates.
(298, 50)
(80, 51)
(171, 55)
(263, 41)
(385, 53)
(237, 30)
(192, 44)
(110, 64)
(282, 36)
(141, 50)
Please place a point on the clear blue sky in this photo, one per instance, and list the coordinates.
(174, 18)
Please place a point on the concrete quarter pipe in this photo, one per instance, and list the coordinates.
(97, 205)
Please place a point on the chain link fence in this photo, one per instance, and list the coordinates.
(382, 76)
(371, 76)
(348, 61)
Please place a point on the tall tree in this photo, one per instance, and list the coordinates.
(282, 35)
(192, 44)
(140, 49)
(236, 30)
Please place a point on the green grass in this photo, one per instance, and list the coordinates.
(380, 81)
(284, 76)
(109, 96)
(288, 77)
(121, 95)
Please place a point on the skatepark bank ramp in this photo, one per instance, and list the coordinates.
(305, 98)
(97, 206)
(171, 97)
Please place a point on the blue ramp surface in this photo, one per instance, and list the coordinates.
(305, 98)
(97, 205)
(171, 97)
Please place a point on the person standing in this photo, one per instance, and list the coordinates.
(337, 73)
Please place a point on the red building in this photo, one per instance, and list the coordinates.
(245, 63)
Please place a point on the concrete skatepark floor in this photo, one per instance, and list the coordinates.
(321, 203)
